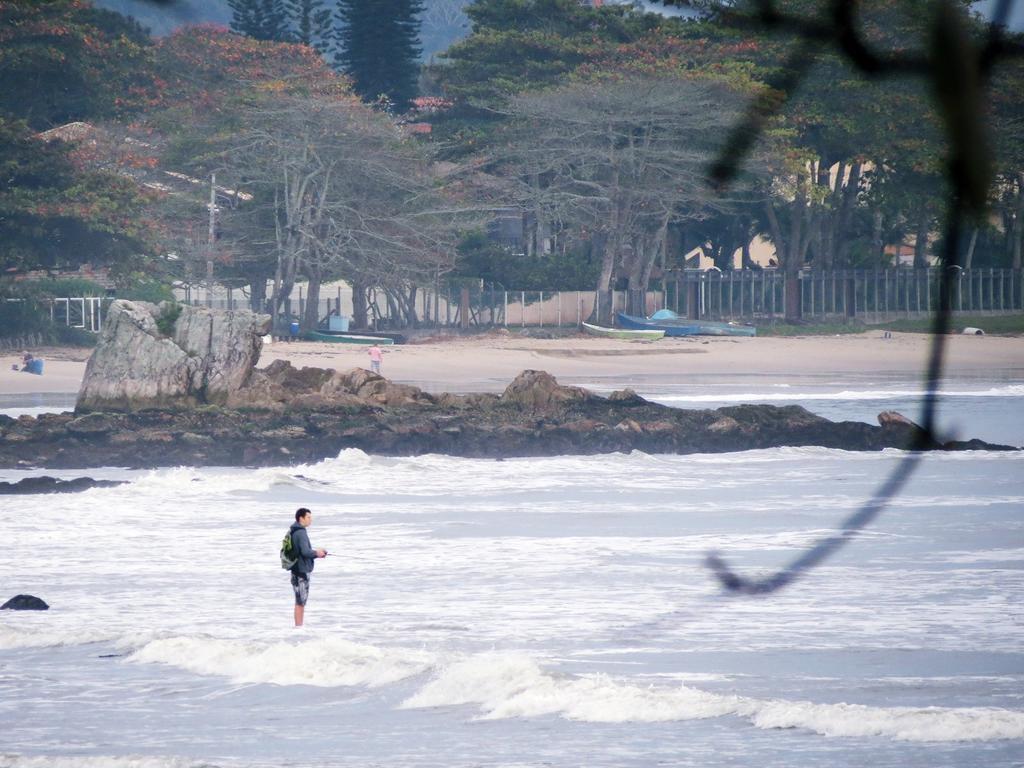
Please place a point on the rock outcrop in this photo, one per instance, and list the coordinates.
(281, 385)
(169, 355)
(25, 603)
(46, 484)
(538, 391)
(286, 415)
(172, 385)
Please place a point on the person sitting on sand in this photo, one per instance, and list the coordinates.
(32, 364)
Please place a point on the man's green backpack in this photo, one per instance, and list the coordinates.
(289, 557)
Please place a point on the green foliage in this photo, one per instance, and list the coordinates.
(63, 60)
(22, 316)
(259, 19)
(25, 310)
(1010, 325)
(810, 329)
(55, 215)
(169, 313)
(311, 23)
(143, 289)
(520, 44)
(482, 258)
(379, 49)
(285, 21)
(63, 287)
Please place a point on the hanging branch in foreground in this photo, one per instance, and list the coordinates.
(957, 71)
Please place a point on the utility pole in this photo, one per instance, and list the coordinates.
(209, 242)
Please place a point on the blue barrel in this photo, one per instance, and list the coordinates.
(35, 365)
(294, 328)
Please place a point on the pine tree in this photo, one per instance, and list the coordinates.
(261, 19)
(310, 23)
(379, 48)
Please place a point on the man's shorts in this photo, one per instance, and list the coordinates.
(300, 584)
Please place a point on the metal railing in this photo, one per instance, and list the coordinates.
(745, 295)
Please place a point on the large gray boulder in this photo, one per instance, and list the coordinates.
(168, 355)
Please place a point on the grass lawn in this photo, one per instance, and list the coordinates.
(990, 324)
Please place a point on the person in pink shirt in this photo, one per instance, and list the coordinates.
(376, 355)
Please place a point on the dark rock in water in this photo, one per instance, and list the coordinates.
(25, 603)
(285, 415)
(626, 397)
(895, 419)
(46, 484)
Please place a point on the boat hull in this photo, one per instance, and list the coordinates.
(348, 338)
(638, 334)
(681, 326)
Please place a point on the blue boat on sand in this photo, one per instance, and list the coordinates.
(674, 325)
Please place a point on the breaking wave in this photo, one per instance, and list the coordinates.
(513, 685)
(104, 761)
(12, 638)
(324, 661)
(1010, 390)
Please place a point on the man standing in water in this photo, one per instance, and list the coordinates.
(305, 556)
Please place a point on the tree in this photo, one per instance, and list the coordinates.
(213, 82)
(519, 45)
(1008, 194)
(285, 21)
(443, 23)
(63, 60)
(311, 23)
(260, 19)
(346, 197)
(379, 49)
(619, 159)
(55, 214)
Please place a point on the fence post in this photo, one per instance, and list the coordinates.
(559, 294)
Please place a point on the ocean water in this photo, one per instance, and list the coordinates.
(532, 612)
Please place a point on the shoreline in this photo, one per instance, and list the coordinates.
(487, 363)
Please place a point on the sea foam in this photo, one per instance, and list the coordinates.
(12, 638)
(105, 761)
(1010, 390)
(320, 661)
(515, 685)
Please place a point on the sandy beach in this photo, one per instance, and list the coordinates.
(487, 363)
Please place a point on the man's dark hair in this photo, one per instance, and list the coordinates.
(300, 513)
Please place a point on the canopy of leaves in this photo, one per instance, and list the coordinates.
(54, 214)
(63, 60)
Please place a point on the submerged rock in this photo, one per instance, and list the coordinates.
(25, 603)
(46, 484)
